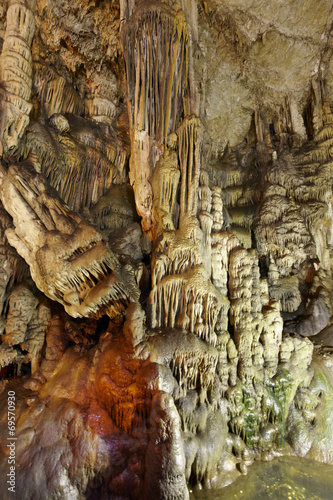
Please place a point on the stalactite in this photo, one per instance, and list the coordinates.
(205, 217)
(321, 110)
(83, 264)
(192, 361)
(189, 138)
(186, 300)
(54, 94)
(155, 45)
(290, 121)
(80, 163)
(22, 305)
(35, 336)
(102, 110)
(13, 267)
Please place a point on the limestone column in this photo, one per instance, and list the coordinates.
(16, 73)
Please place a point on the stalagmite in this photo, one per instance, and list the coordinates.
(165, 456)
(217, 208)
(55, 346)
(16, 73)
(22, 306)
(165, 183)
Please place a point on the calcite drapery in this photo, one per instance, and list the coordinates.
(68, 259)
(155, 42)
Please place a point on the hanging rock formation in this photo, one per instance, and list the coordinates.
(68, 259)
(166, 238)
(155, 42)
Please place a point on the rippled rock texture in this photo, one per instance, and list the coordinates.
(166, 236)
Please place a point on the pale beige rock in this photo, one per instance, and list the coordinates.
(68, 258)
(16, 73)
(154, 97)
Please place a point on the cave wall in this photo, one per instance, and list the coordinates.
(166, 230)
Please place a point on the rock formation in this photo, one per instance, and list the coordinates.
(166, 238)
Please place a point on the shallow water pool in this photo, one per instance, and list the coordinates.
(285, 478)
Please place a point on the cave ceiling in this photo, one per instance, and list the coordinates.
(247, 55)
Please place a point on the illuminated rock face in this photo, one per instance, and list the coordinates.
(16, 73)
(166, 232)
